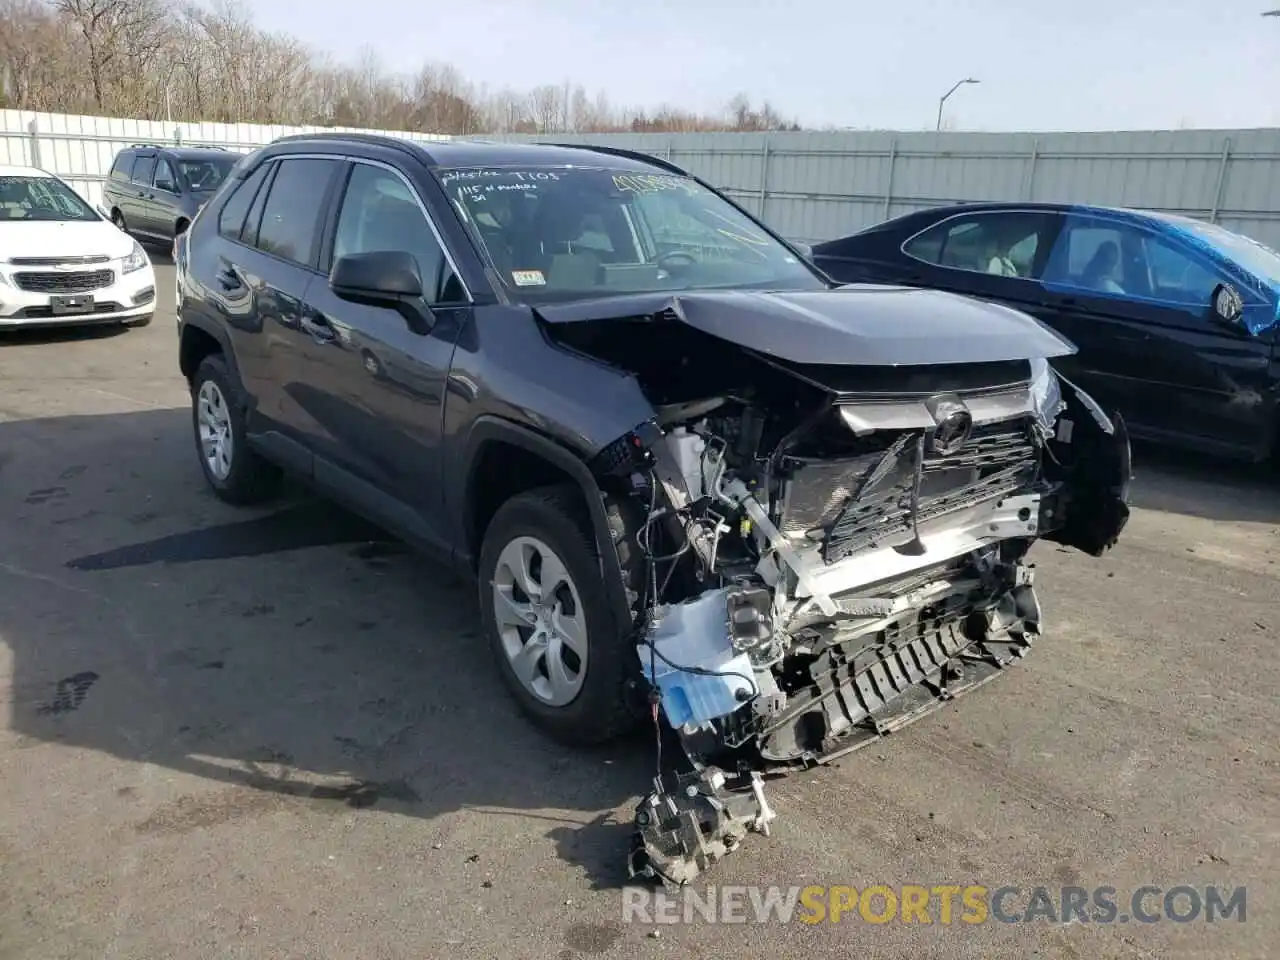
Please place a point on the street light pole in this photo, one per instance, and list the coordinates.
(959, 84)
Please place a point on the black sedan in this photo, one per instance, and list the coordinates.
(1175, 319)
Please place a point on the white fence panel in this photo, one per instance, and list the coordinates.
(81, 149)
(815, 186)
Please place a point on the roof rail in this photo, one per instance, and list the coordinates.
(372, 139)
(628, 154)
(145, 146)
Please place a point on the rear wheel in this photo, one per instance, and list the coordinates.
(236, 473)
(543, 603)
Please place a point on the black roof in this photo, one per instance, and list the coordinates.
(978, 206)
(481, 153)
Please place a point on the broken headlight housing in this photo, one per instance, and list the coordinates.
(1046, 394)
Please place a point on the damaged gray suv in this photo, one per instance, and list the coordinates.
(700, 485)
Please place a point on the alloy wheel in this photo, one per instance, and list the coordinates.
(540, 620)
(216, 443)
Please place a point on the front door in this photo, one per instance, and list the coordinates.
(382, 399)
(1138, 305)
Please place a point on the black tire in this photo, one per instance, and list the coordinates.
(604, 707)
(118, 219)
(180, 228)
(251, 479)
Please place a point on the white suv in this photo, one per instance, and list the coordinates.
(62, 262)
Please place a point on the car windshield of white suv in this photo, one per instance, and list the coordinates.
(555, 233)
(41, 198)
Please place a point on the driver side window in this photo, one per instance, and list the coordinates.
(164, 179)
(379, 212)
(1115, 258)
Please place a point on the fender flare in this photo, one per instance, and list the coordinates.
(224, 341)
(488, 428)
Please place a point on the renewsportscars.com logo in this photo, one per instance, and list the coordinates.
(945, 904)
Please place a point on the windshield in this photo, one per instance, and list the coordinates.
(555, 233)
(205, 175)
(41, 198)
(1260, 260)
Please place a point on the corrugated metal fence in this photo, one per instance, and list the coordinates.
(81, 149)
(815, 186)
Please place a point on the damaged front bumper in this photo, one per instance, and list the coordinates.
(873, 641)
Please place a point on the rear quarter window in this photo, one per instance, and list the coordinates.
(123, 165)
(236, 206)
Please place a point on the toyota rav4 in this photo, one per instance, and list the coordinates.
(698, 483)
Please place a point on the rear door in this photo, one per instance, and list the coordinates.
(281, 247)
(116, 189)
(164, 206)
(264, 264)
(137, 194)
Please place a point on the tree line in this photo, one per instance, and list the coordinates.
(157, 59)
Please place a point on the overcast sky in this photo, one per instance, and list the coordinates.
(1064, 65)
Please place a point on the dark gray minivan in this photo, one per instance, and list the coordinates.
(153, 192)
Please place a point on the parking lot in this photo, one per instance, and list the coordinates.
(276, 733)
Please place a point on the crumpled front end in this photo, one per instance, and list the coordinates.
(809, 595)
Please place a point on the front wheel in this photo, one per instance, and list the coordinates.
(544, 609)
(118, 219)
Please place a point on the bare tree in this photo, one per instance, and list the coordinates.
(162, 58)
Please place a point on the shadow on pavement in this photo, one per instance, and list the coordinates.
(1172, 481)
(55, 335)
(297, 654)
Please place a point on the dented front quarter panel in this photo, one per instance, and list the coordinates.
(505, 370)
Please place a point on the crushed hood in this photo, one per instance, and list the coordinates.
(855, 325)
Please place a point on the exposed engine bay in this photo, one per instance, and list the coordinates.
(831, 552)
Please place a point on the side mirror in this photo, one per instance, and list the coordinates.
(383, 278)
(1226, 305)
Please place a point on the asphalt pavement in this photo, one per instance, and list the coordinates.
(275, 733)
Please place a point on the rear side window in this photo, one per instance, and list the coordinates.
(143, 170)
(290, 223)
(124, 163)
(231, 217)
(1004, 243)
